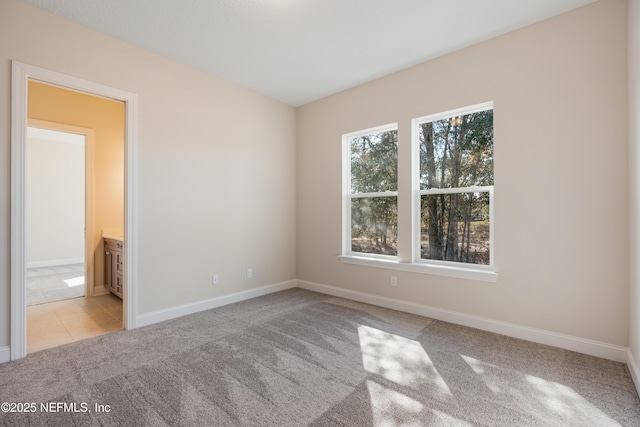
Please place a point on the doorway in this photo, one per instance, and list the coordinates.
(60, 201)
(23, 74)
(60, 251)
(57, 212)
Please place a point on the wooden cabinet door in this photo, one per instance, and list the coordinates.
(108, 268)
(114, 266)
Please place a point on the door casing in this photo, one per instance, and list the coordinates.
(21, 74)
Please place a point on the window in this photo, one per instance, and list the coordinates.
(454, 200)
(370, 208)
(446, 198)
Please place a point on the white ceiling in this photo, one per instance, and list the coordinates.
(298, 51)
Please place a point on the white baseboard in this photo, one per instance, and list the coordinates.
(55, 262)
(633, 369)
(567, 342)
(5, 354)
(182, 310)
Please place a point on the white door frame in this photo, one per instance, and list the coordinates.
(88, 193)
(21, 74)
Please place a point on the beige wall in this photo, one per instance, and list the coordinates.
(634, 140)
(106, 118)
(216, 169)
(54, 201)
(561, 210)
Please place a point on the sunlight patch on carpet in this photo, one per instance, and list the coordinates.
(548, 396)
(398, 359)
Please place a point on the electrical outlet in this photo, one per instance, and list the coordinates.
(249, 273)
(216, 279)
(394, 281)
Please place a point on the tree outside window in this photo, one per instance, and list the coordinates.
(452, 196)
(456, 186)
(372, 191)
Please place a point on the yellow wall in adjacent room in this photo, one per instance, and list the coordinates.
(106, 118)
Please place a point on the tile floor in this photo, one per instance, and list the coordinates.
(53, 324)
(47, 284)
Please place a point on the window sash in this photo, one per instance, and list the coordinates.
(349, 238)
(381, 194)
(451, 113)
(457, 190)
(348, 195)
(415, 257)
(417, 226)
(418, 193)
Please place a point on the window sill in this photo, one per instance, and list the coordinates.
(438, 270)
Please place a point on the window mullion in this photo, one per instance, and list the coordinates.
(472, 189)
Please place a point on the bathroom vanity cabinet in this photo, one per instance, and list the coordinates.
(114, 265)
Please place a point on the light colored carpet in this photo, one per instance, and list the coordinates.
(299, 358)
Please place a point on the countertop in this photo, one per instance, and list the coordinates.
(113, 237)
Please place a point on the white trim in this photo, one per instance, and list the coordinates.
(446, 269)
(377, 129)
(130, 291)
(634, 370)
(568, 342)
(346, 192)
(484, 106)
(492, 223)
(19, 80)
(5, 354)
(416, 192)
(55, 262)
(456, 190)
(416, 219)
(21, 74)
(369, 195)
(346, 181)
(46, 133)
(191, 308)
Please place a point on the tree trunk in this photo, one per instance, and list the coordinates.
(451, 247)
(435, 239)
(468, 226)
(452, 252)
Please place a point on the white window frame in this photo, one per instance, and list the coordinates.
(414, 263)
(347, 196)
(418, 193)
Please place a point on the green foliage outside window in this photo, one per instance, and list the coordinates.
(374, 169)
(456, 152)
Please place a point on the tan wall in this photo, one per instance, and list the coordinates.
(106, 118)
(217, 169)
(216, 172)
(634, 140)
(561, 208)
